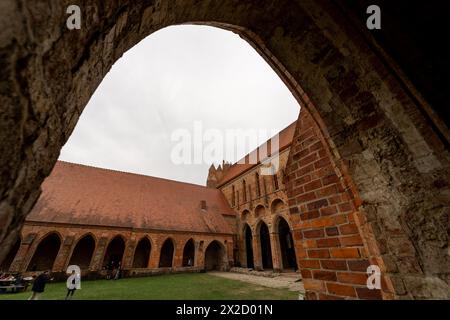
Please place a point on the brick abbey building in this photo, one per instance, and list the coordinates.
(96, 218)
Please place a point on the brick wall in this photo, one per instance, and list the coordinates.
(330, 250)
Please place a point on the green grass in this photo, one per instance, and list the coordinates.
(175, 286)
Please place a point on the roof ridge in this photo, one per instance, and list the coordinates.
(133, 173)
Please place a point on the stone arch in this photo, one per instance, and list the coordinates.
(248, 246)
(375, 125)
(245, 215)
(142, 253)
(285, 243)
(189, 253)
(7, 262)
(114, 252)
(260, 211)
(167, 253)
(263, 233)
(215, 256)
(45, 253)
(83, 251)
(277, 206)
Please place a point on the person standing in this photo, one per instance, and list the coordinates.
(118, 272)
(39, 285)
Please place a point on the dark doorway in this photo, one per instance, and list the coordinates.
(82, 254)
(6, 264)
(189, 254)
(286, 246)
(266, 250)
(249, 246)
(114, 253)
(45, 255)
(142, 253)
(166, 257)
(215, 257)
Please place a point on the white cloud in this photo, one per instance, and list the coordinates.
(172, 78)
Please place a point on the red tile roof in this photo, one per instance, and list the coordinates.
(79, 194)
(285, 139)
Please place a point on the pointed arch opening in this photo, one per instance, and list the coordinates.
(189, 253)
(215, 256)
(248, 246)
(83, 252)
(166, 256)
(287, 249)
(142, 253)
(266, 249)
(114, 253)
(46, 252)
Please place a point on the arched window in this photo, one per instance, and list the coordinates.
(244, 191)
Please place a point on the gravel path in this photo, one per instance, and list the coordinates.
(283, 281)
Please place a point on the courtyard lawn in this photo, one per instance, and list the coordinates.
(165, 287)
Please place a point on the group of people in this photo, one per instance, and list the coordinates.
(42, 279)
(113, 270)
(14, 279)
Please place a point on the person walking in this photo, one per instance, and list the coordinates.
(73, 285)
(39, 285)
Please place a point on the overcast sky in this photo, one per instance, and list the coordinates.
(170, 80)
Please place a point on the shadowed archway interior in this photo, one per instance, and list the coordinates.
(142, 253)
(380, 152)
(114, 253)
(215, 257)
(45, 254)
(83, 252)
(248, 241)
(166, 255)
(266, 249)
(189, 253)
(287, 249)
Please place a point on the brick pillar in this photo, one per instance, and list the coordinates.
(200, 255)
(177, 261)
(154, 257)
(99, 253)
(230, 251)
(128, 255)
(276, 253)
(63, 256)
(196, 253)
(257, 258)
(329, 245)
(22, 255)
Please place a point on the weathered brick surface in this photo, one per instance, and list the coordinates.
(392, 161)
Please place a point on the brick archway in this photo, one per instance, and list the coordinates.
(83, 252)
(45, 253)
(384, 160)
